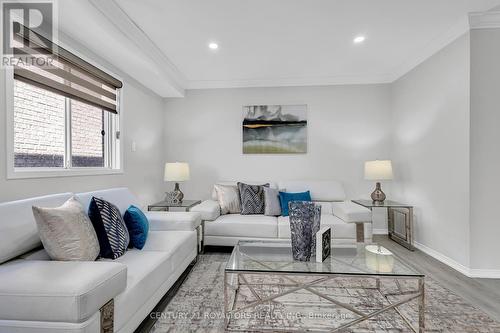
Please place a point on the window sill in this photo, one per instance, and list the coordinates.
(51, 173)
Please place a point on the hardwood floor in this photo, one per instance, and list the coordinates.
(484, 294)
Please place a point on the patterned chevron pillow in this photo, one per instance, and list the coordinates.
(110, 228)
(252, 198)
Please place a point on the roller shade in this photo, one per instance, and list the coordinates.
(66, 74)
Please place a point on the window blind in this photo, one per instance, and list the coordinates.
(66, 74)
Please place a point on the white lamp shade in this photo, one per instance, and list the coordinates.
(176, 172)
(378, 170)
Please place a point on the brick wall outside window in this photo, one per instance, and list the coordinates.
(86, 138)
(39, 129)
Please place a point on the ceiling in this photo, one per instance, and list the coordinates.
(263, 43)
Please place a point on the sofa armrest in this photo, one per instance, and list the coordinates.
(165, 221)
(59, 291)
(350, 212)
(209, 210)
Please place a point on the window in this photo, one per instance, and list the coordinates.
(53, 131)
(65, 117)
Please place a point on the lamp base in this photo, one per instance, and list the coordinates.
(176, 196)
(378, 196)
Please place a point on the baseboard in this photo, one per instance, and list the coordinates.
(469, 272)
(485, 273)
(380, 231)
(444, 259)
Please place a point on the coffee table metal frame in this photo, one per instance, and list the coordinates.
(234, 279)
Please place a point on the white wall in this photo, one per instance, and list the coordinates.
(430, 108)
(142, 120)
(346, 126)
(485, 149)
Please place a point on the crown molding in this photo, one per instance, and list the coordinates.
(484, 20)
(117, 16)
(433, 47)
(290, 82)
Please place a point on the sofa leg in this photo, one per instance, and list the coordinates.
(107, 317)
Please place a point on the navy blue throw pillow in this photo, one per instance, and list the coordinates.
(137, 225)
(110, 228)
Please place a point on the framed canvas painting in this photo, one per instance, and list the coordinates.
(275, 129)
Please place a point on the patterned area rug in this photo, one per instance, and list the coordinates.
(199, 303)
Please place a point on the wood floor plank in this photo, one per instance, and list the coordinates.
(484, 294)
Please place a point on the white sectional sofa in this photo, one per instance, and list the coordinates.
(40, 295)
(350, 222)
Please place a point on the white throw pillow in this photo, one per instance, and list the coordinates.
(229, 199)
(66, 232)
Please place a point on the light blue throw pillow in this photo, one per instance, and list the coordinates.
(286, 197)
(137, 225)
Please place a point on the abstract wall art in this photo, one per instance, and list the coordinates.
(275, 129)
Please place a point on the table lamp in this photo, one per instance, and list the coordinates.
(378, 170)
(176, 172)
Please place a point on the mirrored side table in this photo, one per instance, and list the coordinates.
(165, 205)
(399, 220)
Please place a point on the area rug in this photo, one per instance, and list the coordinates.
(198, 306)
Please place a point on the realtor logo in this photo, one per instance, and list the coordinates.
(22, 23)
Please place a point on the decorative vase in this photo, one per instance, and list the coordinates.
(305, 220)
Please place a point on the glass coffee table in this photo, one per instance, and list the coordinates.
(265, 289)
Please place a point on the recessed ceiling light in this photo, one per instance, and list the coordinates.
(213, 46)
(359, 39)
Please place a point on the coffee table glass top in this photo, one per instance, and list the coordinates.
(355, 259)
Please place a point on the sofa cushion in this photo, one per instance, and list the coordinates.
(121, 197)
(110, 228)
(65, 291)
(236, 225)
(18, 231)
(176, 244)
(326, 207)
(341, 229)
(66, 232)
(146, 271)
(321, 190)
(36, 254)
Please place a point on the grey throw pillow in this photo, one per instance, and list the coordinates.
(228, 198)
(66, 232)
(252, 198)
(272, 202)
